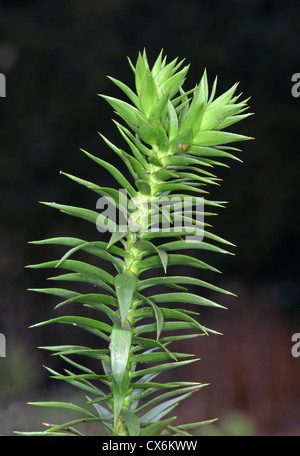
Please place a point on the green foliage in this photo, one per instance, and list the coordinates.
(174, 141)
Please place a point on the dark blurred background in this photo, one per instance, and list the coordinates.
(56, 55)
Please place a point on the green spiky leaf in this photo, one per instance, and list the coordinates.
(133, 304)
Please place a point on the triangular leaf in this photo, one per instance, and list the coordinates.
(125, 285)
